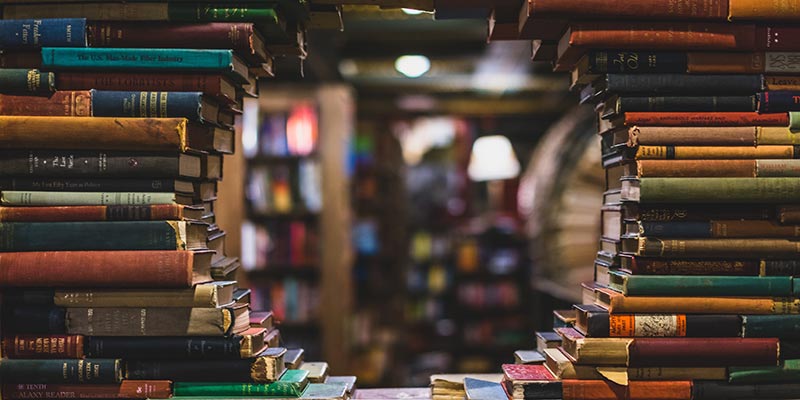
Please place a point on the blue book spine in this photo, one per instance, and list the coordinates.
(36, 33)
(76, 236)
(682, 229)
(147, 104)
(778, 101)
(136, 59)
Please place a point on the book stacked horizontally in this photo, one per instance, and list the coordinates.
(694, 293)
(114, 274)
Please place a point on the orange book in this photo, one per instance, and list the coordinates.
(574, 389)
(749, 10)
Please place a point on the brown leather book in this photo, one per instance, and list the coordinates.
(714, 152)
(680, 36)
(574, 389)
(703, 352)
(710, 136)
(61, 103)
(144, 269)
(714, 168)
(42, 346)
(149, 321)
(240, 37)
(112, 133)
(217, 86)
(704, 119)
(617, 303)
(155, 212)
(750, 10)
(127, 389)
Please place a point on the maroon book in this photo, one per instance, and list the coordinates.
(703, 352)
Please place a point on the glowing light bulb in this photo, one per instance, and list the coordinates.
(412, 66)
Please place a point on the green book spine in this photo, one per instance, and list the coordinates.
(26, 82)
(60, 371)
(699, 285)
(76, 236)
(205, 12)
(274, 389)
(789, 372)
(770, 326)
(25, 198)
(719, 190)
(794, 121)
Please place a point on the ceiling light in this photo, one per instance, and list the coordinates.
(412, 66)
(492, 159)
(412, 11)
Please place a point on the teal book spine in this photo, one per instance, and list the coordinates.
(75, 236)
(700, 285)
(60, 371)
(136, 59)
(789, 372)
(771, 326)
(17, 81)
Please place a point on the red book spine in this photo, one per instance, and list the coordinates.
(703, 352)
(667, 266)
(705, 119)
(157, 212)
(635, 390)
(680, 9)
(60, 104)
(43, 346)
(97, 269)
(128, 389)
(214, 35)
(155, 82)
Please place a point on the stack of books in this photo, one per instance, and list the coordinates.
(694, 294)
(114, 274)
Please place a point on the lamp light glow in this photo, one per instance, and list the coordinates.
(412, 66)
(492, 159)
(412, 11)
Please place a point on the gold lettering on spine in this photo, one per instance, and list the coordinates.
(163, 104)
(153, 104)
(34, 80)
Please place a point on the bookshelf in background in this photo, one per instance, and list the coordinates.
(293, 247)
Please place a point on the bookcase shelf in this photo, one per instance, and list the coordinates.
(296, 214)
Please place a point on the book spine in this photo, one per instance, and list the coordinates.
(36, 33)
(207, 13)
(778, 101)
(675, 212)
(673, 325)
(771, 326)
(39, 297)
(634, 62)
(35, 320)
(719, 190)
(22, 59)
(17, 81)
(772, 82)
(73, 236)
(190, 371)
(93, 133)
(61, 103)
(700, 168)
(684, 9)
(87, 164)
(43, 346)
(715, 152)
(710, 390)
(148, 322)
(620, 304)
(718, 248)
(87, 185)
(127, 389)
(157, 82)
(97, 269)
(147, 104)
(201, 348)
(703, 352)
(664, 35)
(718, 229)
(61, 371)
(144, 59)
(705, 119)
(117, 34)
(658, 266)
(27, 198)
(687, 104)
(697, 136)
(706, 285)
(763, 10)
(605, 390)
(681, 84)
(726, 63)
(274, 389)
(90, 11)
(91, 213)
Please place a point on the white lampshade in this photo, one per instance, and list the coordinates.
(492, 159)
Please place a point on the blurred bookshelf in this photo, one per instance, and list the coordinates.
(294, 252)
